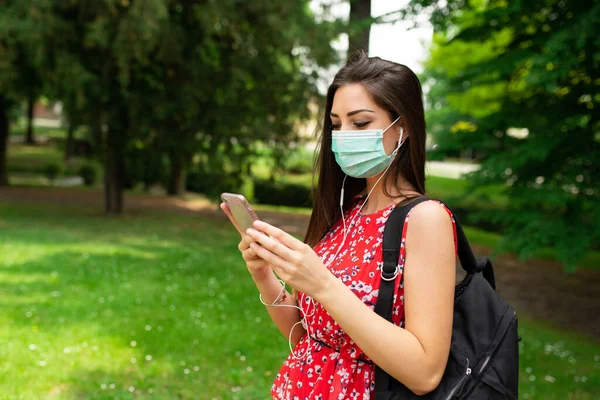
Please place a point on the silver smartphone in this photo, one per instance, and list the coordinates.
(240, 209)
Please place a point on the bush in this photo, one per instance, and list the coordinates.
(300, 162)
(89, 172)
(212, 184)
(281, 193)
(52, 170)
(435, 155)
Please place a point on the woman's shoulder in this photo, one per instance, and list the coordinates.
(432, 219)
(431, 211)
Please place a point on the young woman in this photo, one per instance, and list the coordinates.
(371, 157)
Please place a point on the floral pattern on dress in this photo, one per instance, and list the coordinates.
(332, 366)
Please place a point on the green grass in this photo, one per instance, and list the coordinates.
(19, 129)
(160, 305)
(556, 364)
(457, 190)
(28, 163)
(24, 158)
(154, 305)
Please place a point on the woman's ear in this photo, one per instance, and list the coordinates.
(402, 132)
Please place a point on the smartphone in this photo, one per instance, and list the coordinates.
(240, 209)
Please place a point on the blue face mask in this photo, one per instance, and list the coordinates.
(361, 154)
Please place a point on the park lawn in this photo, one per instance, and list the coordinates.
(157, 305)
(20, 128)
(28, 165)
(26, 158)
(142, 306)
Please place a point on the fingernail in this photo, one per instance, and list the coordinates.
(250, 231)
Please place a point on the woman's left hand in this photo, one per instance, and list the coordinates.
(293, 261)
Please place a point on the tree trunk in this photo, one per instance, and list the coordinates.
(4, 132)
(177, 174)
(114, 175)
(30, 105)
(360, 25)
(97, 142)
(70, 141)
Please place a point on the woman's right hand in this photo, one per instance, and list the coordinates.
(257, 267)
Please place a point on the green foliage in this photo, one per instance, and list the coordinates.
(90, 172)
(208, 77)
(435, 155)
(53, 170)
(300, 161)
(172, 79)
(281, 193)
(501, 68)
(212, 183)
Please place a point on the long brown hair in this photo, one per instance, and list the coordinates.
(396, 89)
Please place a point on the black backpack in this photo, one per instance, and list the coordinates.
(484, 353)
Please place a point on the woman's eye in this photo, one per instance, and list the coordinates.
(361, 124)
(335, 127)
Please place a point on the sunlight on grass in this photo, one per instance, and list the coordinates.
(106, 307)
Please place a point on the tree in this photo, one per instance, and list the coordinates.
(4, 134)
(102, 44)
(227, 75)
(500, 67)
(167, 76)
(359, 25)
(30, 82)
(22, 53)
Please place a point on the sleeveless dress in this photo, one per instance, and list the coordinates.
(330, 364)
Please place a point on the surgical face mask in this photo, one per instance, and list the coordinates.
(361, 154)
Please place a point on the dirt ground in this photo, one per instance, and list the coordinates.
(536, 288)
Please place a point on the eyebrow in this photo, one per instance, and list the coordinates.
(351, 113)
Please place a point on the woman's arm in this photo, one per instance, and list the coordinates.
(283, 317)
(416, 355)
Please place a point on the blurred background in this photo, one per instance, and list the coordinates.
(122, 121)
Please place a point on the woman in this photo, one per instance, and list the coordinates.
(373, 128)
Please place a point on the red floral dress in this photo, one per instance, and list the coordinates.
(332, 366)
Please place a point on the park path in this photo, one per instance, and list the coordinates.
(536, 288)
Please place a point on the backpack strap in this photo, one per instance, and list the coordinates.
(392, 236)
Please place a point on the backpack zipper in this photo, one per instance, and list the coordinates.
(487, 360)
(460, 382)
